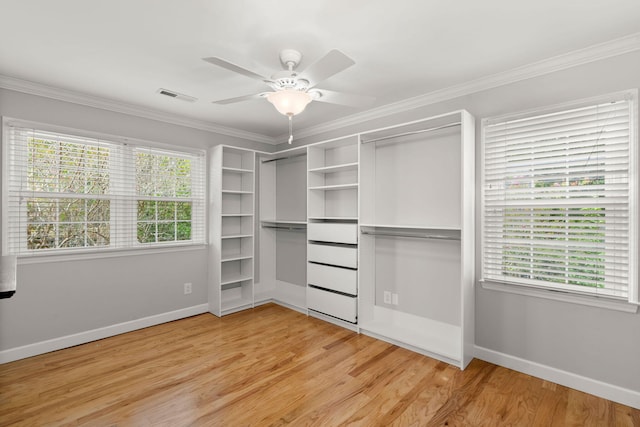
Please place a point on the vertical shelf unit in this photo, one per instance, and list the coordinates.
(281, 272)
(332, 230)
(232, 230)
(417, 236)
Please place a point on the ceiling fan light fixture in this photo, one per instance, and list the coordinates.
(289, 102)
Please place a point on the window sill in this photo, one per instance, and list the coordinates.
(101, 254)
(592, 301)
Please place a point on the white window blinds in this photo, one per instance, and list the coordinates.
(559, 199)
(68, 193)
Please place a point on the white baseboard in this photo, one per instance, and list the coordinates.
(578, 382)
(96, 334)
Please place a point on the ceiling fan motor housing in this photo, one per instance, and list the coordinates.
(290, 58)
(288, 79)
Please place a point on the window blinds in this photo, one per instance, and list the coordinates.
(69, 193)
(557, 200)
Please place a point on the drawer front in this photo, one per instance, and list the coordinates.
(334, 278)
(335, 255)
(330, 232)
(336, 305)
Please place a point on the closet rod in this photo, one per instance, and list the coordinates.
(282, 227)
(293, 156)
(415, 236)
(450, 125)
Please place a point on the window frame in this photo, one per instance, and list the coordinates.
(127, 222)
(557, 292)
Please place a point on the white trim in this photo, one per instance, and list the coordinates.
(546, 293)
(281, 304)
(59, 343)
(568, 379)
(25, 86)
(87, 254)
(586, 55)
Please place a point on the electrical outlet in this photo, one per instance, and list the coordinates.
(387, 297)
(187, 288)
(394, 299)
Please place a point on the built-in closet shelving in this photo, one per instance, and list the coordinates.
(332, 205)
(232, 172)
(281, 274)
(417, 237)
(374, 232)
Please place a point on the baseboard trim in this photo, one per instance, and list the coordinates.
(578, 382)
(54, 344)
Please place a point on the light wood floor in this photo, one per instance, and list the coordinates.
(274, 366)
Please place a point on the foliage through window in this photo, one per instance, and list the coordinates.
(67, 192)
(163, 188)
(558, 200)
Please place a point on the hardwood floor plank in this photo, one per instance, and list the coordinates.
(275, 366)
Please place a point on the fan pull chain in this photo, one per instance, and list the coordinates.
(290, 128)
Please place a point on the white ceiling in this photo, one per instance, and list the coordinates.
(125, 50)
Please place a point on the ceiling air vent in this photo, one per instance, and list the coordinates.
(176, 95)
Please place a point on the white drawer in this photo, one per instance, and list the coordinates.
(335, 255)
(336, 305)
(334, 278)
(333, 232)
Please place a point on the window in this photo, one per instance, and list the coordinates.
(559, 198)
(69, 193)
(163, 192)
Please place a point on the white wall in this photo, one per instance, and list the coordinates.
(599, 344)
(63, 298)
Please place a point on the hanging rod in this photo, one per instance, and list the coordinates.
(293, 156)
(416, 132)
(284, 227)
(414, 236)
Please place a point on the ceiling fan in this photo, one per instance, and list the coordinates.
(292, 91)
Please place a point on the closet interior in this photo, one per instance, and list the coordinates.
(416, 243)
(282, 225)
(373, 231)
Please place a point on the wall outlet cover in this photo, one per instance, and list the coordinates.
(387, 297)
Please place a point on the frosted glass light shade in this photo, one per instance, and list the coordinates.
(289, 102)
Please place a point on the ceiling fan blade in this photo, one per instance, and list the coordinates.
(240, 99)
(348, 99)
(325, 67)
(235, 68)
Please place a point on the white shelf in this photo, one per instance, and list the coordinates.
(236, 304)
(335, 187)
(235, 258)
(336, 168)
(283, 221)
(412, 227)
(235, 279)
(232, 188)
(436, 338)
(334, 218)
(236, 170)
(236, 192)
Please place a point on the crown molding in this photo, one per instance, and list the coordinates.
(575, 58)
(66, 95)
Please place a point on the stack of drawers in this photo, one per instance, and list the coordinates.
(332, 270)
